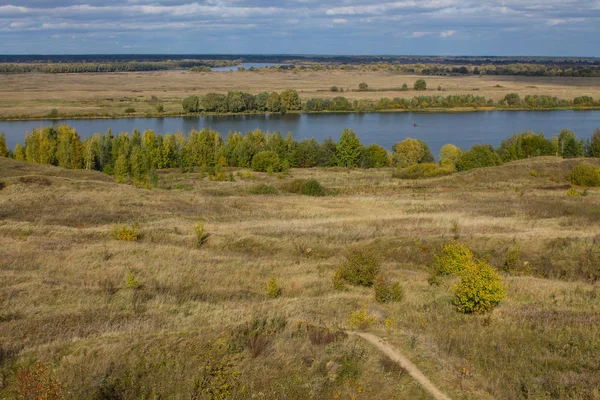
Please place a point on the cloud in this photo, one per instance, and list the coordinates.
(291, 26)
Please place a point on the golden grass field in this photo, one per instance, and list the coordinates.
(110, 94)
(65, 300)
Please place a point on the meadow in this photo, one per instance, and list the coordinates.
(117, 94)
(185, 310)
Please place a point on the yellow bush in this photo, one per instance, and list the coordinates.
(126, 233)
(572, 192)
(480, 288)
(273, 289)
(361, 318)
(201, 236)
(451, 260)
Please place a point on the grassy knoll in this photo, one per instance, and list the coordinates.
(116, 94)
(168, 317)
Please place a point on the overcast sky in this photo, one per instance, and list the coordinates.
(445, 27)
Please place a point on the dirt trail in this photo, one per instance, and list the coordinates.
(404, 362)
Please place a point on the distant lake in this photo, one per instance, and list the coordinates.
(245, 65)
(385, 129)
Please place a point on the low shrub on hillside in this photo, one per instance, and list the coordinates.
(263, 190)
(452, 258)
(479, 156)
(480, 288)
(420, 171)
(126, 233)
(585, 175)
(359, 269)
(310, 187)
(361, 318)
(386, 291)
(273, 289)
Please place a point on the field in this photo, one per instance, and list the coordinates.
(110, 94)
(162, 317)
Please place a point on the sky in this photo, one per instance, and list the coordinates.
(354, 27)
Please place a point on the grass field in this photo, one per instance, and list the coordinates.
(110, 94)
(161, 317)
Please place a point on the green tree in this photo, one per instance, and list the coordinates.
(348, 150)
(191, 104)
(420, 85)
(266, 161)
(568, 144)
(592, 148)
(290, 100)
(121, 171)
(375, 156)
(363, 86)
(19, 153)
(274, 102)
(410, 152)
(3, 148)
(214, 102)
(261, 101)
(478, 156)
(513, 99)
(235, 101)
(449, 155)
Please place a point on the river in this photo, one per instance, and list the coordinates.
(437, 129)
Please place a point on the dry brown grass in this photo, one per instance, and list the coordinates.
(36, 95)
(64, 298)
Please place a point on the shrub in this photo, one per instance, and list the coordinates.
(126, 233)
(54, 113)
(129, 110)
(312, 187)
(361, 318)
(160, 108)
(480, 288)
(265, 160)
(479, 156)
(131, 282)
(411, 151)
(572, 192)
(201, 236)
(386, 291)
(363, 86)
(273, 289)
(452, 258)
(36, 382)
(333, 89)
(513, 260)
(264, 190)
(420, 171)
(360, 268)
(420, 85)
(585, 175)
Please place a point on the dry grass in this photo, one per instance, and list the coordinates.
(36, 95)
(64, 298)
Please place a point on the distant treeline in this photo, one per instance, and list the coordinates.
(136, 157)
(289, 100)
(131, 66)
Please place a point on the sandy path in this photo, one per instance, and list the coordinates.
(404, 362)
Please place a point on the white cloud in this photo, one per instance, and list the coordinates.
(419, 34)
(448, 33)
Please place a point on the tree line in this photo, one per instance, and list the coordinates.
(137, 156)
(236, 101)
(115, 66)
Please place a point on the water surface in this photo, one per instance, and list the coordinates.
(437, 129)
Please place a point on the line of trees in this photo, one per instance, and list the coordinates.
(136, 157)
(289, 100)
(114, 66)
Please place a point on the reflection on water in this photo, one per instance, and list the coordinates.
(437, 129)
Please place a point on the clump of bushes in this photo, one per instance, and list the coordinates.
(479, 156)
(480, 288)
(421, 171)
(452, 258)
(273, 289)
(307, 187)
(264, 190)
(386, 291)
(359, 269)
(361, 318)
(266, 161)
(126, 233)
(585, 175)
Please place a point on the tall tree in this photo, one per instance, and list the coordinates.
(348, 150)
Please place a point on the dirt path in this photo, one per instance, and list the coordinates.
(404, 362)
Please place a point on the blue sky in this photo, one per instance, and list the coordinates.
(445, 27)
